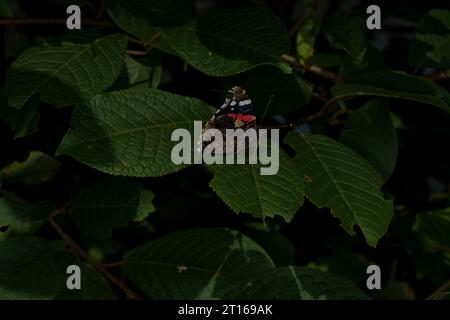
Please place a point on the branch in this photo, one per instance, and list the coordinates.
(330, 75)
(147, 45)
(10, 22)
(440, 290)
(440, 75)
(85, 256)
(101, 10)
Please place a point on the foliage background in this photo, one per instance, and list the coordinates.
(152, 232)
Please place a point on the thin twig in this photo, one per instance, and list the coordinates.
(440, 75)
(10, 22)
(101, 10)
(97, 265)
(147, 45)
(440, 290)
(330, 75)
(138, 53)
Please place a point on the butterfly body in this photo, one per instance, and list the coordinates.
(236, 113)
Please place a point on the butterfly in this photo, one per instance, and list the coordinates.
(237, 112)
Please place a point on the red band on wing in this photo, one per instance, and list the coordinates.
(242, 117)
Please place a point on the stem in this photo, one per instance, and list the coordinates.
(101, 10)
(440, 75)
(440, 290)
(10, 22)
(85, 256)
(330, 75)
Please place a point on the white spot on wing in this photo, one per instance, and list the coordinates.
(245, 102)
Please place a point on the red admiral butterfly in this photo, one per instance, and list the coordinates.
(236, 113)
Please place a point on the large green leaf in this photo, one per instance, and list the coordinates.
(244, 189)
(135, 25)
(294, 283)
(24, 121)
(129, 132)
(93, 286)
(22, 217)
(226, 42)
(395, 84)
(38, 167)
(272, 90)
(371, 133)
(67, 73)
(432, 227)
(107, 203)
(32, 268)
(165, 13)
(194, 264)
(340, 179)
(142, 72)
(430, 46)
(347, 33)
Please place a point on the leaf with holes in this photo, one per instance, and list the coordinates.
(194, 264)
(65, 74)
(129, 132)
(226, 42)
(343, 181)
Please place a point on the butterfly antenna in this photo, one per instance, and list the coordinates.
(267, 107)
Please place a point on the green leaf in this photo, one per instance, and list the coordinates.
(306, 36)
(277, 245)
(340, 179)
(24, 121)
(166, 13)
(285, 92)
(22, 217)
(194, 264)
(32, 268)
(93, 286)
(372, 135)
(135, 25)
(260, 195)
(430, 46)
(145, 206)
(140, 72)
(65, 74)
(294, 283)
(38, 167)
(347, 33)
(432, 227)
(15, 42)
(226, 42)
(129, 132)
(395, 84)
(105, 204)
